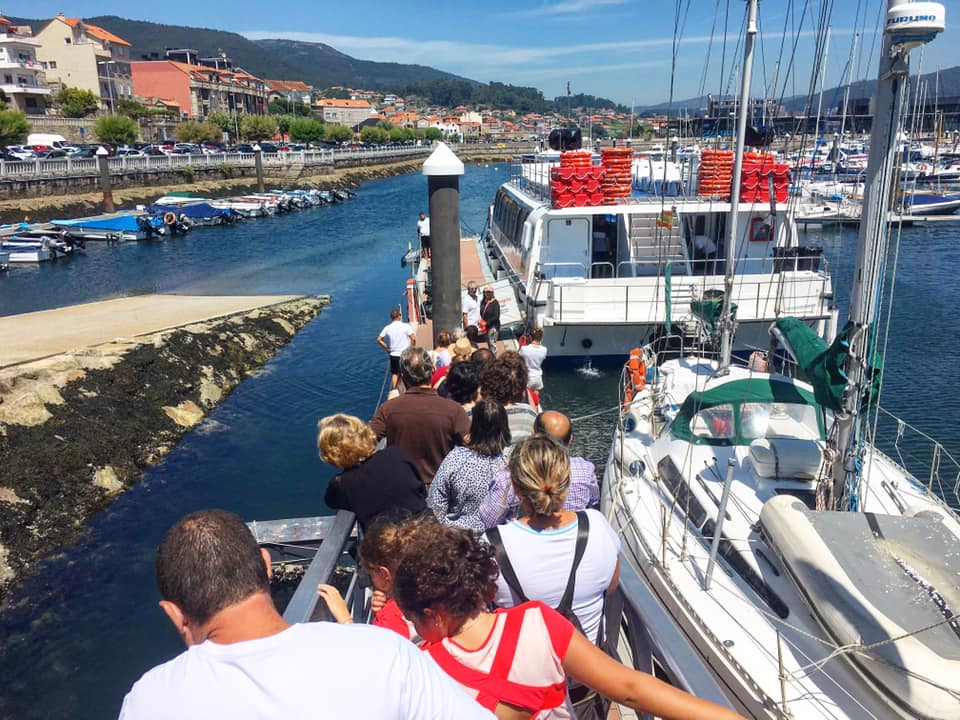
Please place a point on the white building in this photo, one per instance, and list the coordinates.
(20, 71)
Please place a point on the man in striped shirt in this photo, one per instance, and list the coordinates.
(501, 503)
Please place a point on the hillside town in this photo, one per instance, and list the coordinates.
(69, 71)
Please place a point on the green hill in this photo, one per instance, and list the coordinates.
(313, 63)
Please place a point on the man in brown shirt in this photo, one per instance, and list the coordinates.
(421, 423)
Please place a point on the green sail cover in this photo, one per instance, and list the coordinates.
(710, 310)
(735, 394)
(822, 365)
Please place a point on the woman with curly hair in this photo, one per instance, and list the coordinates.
(466, 473)
(505, 380)
(514, 662)
(371, 483)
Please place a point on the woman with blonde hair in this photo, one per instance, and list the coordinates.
(370, 483)
(541, 545)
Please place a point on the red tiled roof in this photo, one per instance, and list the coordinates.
(96, 31)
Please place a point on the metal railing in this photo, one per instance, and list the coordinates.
(66, 167)
(643, 300)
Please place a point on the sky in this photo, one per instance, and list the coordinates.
(619, 49)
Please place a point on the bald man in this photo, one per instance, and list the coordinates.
(501, 503)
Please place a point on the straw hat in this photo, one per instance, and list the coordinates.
(463, 348)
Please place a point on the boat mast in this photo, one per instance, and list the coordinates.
(726, 319)
(902, 32)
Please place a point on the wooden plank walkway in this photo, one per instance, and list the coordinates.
(471, 268)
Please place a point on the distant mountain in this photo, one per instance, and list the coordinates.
(332, 67)
(949, 87)
(313, 63)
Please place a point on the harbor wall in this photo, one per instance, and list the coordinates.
(78, 197)
(77, 428)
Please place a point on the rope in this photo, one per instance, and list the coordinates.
(615, 408)
(386, 377)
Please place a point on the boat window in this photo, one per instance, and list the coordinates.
(715, 423)
(772, 420)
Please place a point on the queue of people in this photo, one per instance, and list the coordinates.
(484, 549)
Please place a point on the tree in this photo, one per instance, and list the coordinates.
(282, 106)
(372, 135)
(335, 94)
(338, 133)
(306, 130)
(257, 127)
(77, 103)
(400, 134)
(131, 108)
(13, 127)
(432, 133)
(283, 125)
(198, 132)
(116, 129)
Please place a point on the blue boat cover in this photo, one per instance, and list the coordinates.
(117, 223)
(194, 210)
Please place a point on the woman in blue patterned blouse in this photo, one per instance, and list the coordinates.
(463, 478)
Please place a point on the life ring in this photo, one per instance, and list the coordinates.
(923, 167)
(635, 378)
(169, 217)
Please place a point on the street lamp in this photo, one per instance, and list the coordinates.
(108, 63)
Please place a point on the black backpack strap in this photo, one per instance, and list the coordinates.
(503, 560)
(583, 531)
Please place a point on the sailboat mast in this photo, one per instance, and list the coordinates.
(902, 32)
(726, 342)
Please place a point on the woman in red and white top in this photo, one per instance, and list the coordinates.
(514, 662)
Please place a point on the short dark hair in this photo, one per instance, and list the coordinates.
(394, 314)
(416, 367)
(462, 381)
(446, 567)
(208, 561)
(481, 357)
(505, 378)
(489, 428)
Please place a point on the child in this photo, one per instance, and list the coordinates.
(379, 554)
(533, 355)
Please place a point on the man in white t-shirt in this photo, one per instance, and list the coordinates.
(395, 338)
(471, 306)
(423, 232)
(243, 660)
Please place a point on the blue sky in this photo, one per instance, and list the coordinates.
(619, 49)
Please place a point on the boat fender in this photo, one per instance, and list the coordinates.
(169, 218)
(635, 376)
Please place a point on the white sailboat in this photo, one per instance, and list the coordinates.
(816, 576)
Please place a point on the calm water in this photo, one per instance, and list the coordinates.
(85, 625)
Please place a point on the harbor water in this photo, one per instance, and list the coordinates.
(85, 624)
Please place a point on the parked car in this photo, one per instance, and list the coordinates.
(52, 154)
(130, 152)
(186, 149)
(153, 150)
(243, 148)
(20, 152)
(269, 147)
(211, 148)
(84, 152)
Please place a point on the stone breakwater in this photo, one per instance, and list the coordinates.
(74, 202)
(79, 427)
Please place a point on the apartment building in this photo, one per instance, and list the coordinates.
(200, 89)
(343, 112)
(20, 71)
(80, 55)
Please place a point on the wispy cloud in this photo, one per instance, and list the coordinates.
(570, 7)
